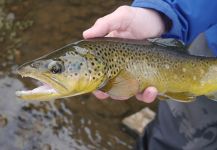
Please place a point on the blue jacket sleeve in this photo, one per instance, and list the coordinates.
(211, 36)
(189, 17)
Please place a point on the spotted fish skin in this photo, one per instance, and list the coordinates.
(175, 73)
(123, 68)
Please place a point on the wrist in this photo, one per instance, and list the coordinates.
(154, 22)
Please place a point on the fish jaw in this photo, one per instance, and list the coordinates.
(44, 92)
(49, 90)
(41, 93)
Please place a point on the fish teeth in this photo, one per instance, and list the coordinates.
(18, 93)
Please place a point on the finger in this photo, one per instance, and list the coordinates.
(103, 26)
(119, 97)
(119, 20)
(121, 34)
(100, 95)
(148, 96)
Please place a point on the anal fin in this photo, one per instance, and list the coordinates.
(178, 96)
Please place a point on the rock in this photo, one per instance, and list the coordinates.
(2, 2)
(138, 121)
(3, 121)
(46, 147)
(10, 17)
(17, 56)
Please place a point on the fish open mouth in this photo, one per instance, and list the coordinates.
(43, 89)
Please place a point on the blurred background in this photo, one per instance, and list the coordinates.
(30, 29)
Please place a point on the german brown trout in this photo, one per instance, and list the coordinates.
(121, 68)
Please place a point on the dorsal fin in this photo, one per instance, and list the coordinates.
(169, 43)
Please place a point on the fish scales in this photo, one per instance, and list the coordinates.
(123, 68)
(153, 63)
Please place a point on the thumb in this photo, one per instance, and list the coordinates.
(148, 96)
(111, 22)
(102, 27)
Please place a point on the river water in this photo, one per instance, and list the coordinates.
(29, 29)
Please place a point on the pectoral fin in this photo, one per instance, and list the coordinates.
(179, 96)
(123, 86)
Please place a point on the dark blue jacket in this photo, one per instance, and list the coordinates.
(189, 18)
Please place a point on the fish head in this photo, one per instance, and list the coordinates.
(66, 72)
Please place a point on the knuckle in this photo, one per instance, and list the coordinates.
(99, 21)
(124, 11)
(123, 8)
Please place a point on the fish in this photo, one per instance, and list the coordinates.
(122, 68)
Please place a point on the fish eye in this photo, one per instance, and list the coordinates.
(56, 67)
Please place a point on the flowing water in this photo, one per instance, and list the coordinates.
(29, 29)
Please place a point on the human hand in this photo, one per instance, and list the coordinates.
(132, 23)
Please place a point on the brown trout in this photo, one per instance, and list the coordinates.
(121, 68)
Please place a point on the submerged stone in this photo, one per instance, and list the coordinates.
(138, 121)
